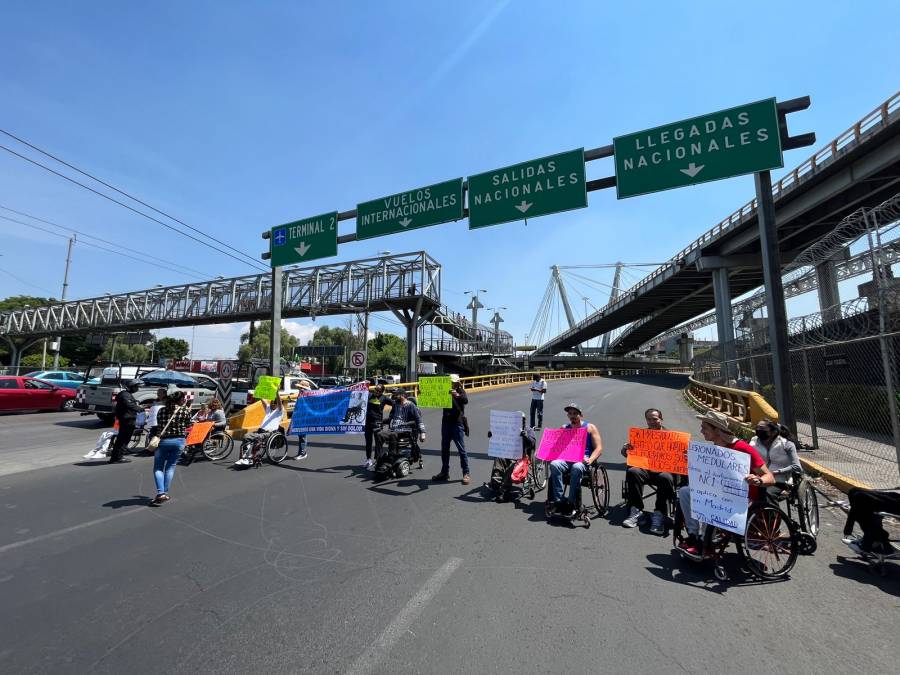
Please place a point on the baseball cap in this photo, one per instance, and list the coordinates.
(573, 406)
(454, 378)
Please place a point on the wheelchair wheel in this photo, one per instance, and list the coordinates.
(276, 447)
(539, 474)
(402, 468)
(600, 489)
(808, 503)
(807, 543)
(136, 439)
(770, 546)
(217, 446)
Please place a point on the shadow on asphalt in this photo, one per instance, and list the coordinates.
(662, 380)
(859, 570)
(136, 500)
(674, 568)
(387, 487)
(84, 423)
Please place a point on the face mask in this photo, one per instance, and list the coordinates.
(762, 434)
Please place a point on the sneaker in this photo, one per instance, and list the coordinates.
(466, 479)
(301, 455)
(658, 523)
(440, 476)
(369, 464)
(244, 461)
(692, 545)
(633, 516)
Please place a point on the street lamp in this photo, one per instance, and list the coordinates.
(474, 305)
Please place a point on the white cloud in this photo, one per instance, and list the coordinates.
(302, 331)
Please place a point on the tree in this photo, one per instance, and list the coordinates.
(341, 337)
(172, 348)
(125, 353)
(33, 361)
(387, 353)
(259, 347)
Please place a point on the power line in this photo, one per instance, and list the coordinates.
(134, 210)
(124, 194)
(204, 275)
(27, 283)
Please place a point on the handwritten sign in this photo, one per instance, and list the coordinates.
(434, 392)
(660, 451)
(267, 388)
(718, 489)
(565, 444)
(506, 438)
(198, 432)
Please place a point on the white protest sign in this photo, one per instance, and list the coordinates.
(506, 439)
(718, 489)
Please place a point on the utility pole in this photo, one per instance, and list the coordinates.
(63, 297)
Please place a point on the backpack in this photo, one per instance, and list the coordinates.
(520, 470)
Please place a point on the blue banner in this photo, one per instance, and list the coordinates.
(331, 411)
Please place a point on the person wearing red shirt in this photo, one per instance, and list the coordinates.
(714, 427)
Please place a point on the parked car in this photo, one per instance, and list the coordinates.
(329, 382)
(61, 378)
(239, 393)
(29, 393)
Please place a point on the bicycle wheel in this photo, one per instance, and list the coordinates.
(217, 446)
(770, 546)
(276, 447)
(600, 489)
(809, 503)
(539, 474)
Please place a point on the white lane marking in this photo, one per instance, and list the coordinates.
(67, 530)
(609, 393)
(369, 660)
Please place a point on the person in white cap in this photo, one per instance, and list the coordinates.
(454, 427)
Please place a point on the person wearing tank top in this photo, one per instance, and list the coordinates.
(575, 470)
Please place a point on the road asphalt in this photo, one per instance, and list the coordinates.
(312, 567)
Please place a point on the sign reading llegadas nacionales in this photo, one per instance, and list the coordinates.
(438, 203)
(719, 145)
(534, 188)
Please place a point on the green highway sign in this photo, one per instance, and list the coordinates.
(535, 188)
(304, 240)
(723, 144)
(439, 203)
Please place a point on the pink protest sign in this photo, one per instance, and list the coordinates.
(565, 444)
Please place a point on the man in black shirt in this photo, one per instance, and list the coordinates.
(126, 412)
(374, 417)
(454, 428)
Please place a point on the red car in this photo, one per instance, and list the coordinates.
(28, 393)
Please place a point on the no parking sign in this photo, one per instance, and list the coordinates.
(358, 359)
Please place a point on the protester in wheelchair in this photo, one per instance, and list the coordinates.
(636, 478)
(273, 414)
(575, 470)
(779, 452)
(507, 483)
(404, 427)
(714, 427)
(867, 508)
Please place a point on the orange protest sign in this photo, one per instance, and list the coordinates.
(658, 450)
(198, 433)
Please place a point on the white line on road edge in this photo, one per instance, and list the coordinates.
(57, 533)
(370, 659)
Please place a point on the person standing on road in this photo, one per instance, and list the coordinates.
(374, 418)
(538, 389)
(593, 448)
(126, 412)
(152, 425)
(301, 438)
(636, 478)
(454, 427)
(173, 420)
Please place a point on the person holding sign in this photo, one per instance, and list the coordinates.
(374, 418)
(405, 418)
(636, 477)
(454, 427)
(714, 427)
(558, 468)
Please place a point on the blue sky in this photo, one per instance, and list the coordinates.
(238, 116)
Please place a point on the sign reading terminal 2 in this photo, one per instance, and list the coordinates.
(740, 140)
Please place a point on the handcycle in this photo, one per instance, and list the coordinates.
(596, 480)
(799, 497)
(768, 550)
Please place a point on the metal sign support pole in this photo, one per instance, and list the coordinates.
(275, 330)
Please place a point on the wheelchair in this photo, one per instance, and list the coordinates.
(271, 445)
(768, 550)
(651, 494)
(799, 497)
(596, 480)
(399, 463)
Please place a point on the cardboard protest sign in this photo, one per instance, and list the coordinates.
(331, 411)
(248, 418)
(565, 444)
(659, 451)
(198, 432)
(506, 439)
(718, 489)
(434, 392)
(267, 388)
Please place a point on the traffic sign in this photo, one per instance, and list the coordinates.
(358, 359)
(226, 370)
(534, 188)
(304, 240)
(438, 203)
(719, 145)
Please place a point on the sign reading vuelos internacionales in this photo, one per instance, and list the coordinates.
(303, 240)
(439, 203)
(534, 188)
(727, 143)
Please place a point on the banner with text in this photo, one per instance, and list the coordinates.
(506, 434)
(565, 444)
(659, 450)
(718, 489)
(434, 392)
(331, 411)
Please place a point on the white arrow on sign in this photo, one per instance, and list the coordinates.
(692, 169)
(524, 206)
(302, 248)
(405, 221)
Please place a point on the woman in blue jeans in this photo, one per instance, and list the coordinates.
(173, 421)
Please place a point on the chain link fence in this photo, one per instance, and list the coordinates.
(844, 360)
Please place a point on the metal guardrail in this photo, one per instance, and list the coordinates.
(868, 126)
(477, 382)
(747, 407)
